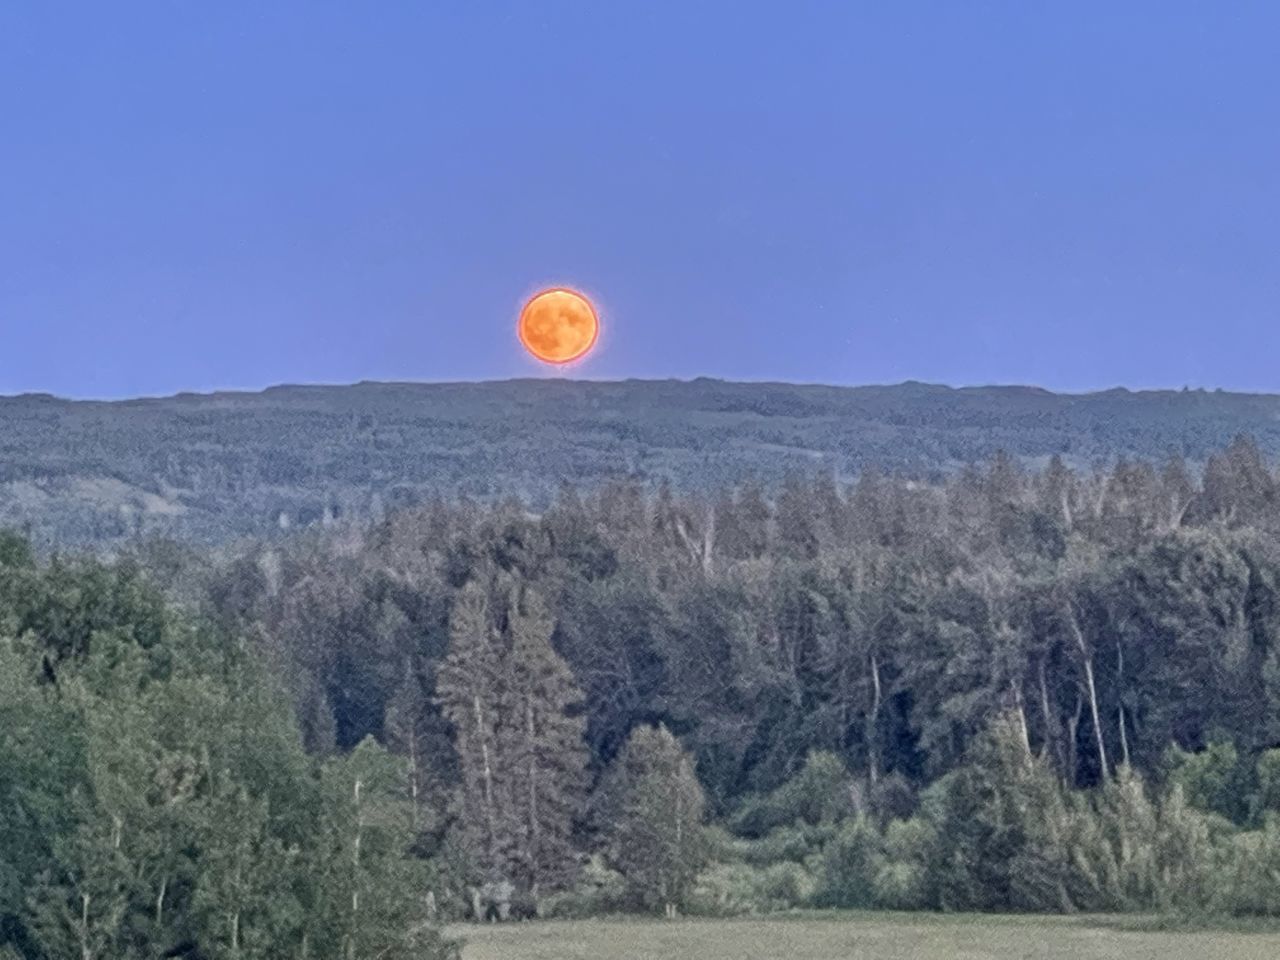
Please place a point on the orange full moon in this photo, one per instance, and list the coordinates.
(558, 325)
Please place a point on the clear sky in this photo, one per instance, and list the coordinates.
(205, 195)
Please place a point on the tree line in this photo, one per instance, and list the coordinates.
(1015, 688)
(156, 799)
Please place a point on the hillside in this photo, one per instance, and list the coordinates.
(210, 467)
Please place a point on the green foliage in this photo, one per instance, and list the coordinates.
(849, 866)
(211, 468)
(1002, 828)
(1212, 780)
(1267, 797)
(1114, 847)
(792, 843)
(598, 889)
(945, 692)
(727, 890)
(154, 793)
(1249, 883)
(904, 880)
(819, 793)
(509, 696)
(653, 807)
(42, 768)
(15, 550)
(1185, 852)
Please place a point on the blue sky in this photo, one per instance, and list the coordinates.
(228, 195)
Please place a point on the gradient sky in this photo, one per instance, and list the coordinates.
(228, 195)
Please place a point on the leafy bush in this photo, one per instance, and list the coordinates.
(1108, 870)
(1213, 780)
(734, 889)
(901, 886)
(1267, 797)
(599, 890)
(1250, 882)
(721, 846)
(904, 880)
(726, 890)
(818, 793)
(850, 863)
(785, 844)
(787, 885)
(1185, 854)
(893, 798)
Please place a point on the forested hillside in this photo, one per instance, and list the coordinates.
(211, 467)
(1031, 689)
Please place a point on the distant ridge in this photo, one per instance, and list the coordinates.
(213, 466)
(905, 385)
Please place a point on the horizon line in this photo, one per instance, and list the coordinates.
(497, 381)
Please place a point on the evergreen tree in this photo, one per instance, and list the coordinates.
(510, 696)
(471, 693)
(543, 746)
(652, 806)
(372, 896)
(1002, 828)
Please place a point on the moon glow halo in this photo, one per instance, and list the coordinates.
(558, 325)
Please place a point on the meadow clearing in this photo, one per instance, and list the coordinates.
(857, 937)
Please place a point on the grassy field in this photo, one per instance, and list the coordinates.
(856, 937)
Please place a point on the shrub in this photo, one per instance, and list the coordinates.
(1250, 881)
(850, 863)
(784, 844)
(734, 889)
(1185, 854)
(721, 846)
(910, 841)
(787, 886)
(818, 793)
(1267, 798)
(599, 889)
(1213, 780)
(726, 890)
(901, 886)
(904, 880)
(893, 798)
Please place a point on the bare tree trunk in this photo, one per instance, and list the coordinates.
(1124, 739)
(86, 952)
(164, 885)
(1177, 512)
(1103, 489)
(674, 893)
(694, 550)
(1124, 736)
(873, 722)
(488, 779)
(530, 732)
(1022, 718)
(708, 538)
(1051, 739)
(355, 862)
(1087, 662)
(413, 775)
(1073, 727)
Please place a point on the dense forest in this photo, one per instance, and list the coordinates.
(1050, 689)
(213, 467)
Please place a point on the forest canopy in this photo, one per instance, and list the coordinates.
(1010, 688)
(212, 467)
